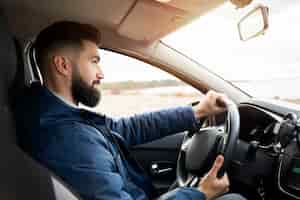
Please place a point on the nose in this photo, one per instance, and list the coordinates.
(100, 74)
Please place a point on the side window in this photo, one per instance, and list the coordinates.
(131, 87)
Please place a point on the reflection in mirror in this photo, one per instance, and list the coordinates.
(254, 23)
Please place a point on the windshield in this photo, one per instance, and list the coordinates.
(267, 66)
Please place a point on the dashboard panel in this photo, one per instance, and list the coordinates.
(257, 124)
(267, 155)
(272, 163)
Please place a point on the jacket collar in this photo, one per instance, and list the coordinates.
(55, 107)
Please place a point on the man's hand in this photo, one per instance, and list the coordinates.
(210, 185)
(212, 103)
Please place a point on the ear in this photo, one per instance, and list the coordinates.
(62, 65)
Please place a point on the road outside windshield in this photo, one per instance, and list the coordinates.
(267, 66)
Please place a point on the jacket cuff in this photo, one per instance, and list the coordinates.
(196, 123)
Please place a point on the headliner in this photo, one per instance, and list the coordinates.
(139, 20)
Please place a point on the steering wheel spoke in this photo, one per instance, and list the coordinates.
(185, 145)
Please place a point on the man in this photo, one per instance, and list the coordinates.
(90, 151)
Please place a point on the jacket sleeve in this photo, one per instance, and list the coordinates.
(146, 127)
(84, 162)
(82, 159)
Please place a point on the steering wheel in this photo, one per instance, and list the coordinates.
(198, 152)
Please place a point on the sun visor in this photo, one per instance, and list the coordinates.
(151, 20)
(201, 6)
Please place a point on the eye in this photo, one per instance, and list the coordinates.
(95, 61)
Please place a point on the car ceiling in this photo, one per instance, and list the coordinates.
(140, 20)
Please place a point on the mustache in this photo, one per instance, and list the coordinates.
(96, 82)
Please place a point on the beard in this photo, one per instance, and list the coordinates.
(84, 93)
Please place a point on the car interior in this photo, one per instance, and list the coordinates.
(262, 149)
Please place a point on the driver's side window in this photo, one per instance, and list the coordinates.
(131, 87)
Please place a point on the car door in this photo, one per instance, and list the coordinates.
(132, 87)
(159, 159)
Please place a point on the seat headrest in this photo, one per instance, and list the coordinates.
(32, 71)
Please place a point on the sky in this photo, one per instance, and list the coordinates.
(117, 67)
(213, 41)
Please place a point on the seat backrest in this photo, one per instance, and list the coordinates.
(20, 176)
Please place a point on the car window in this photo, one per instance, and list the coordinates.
(264, 67)
(131, 86)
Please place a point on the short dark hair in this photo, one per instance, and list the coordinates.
(63, 34)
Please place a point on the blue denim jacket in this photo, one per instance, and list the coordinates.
(69, 141)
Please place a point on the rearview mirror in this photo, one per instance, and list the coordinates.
(254, 23)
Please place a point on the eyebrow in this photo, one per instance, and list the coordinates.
(97, 57)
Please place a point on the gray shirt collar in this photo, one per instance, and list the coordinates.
(64, 100)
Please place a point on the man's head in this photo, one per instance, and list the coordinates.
(68, 58)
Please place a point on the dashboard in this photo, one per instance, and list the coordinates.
(257, 124)
(266, 155)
